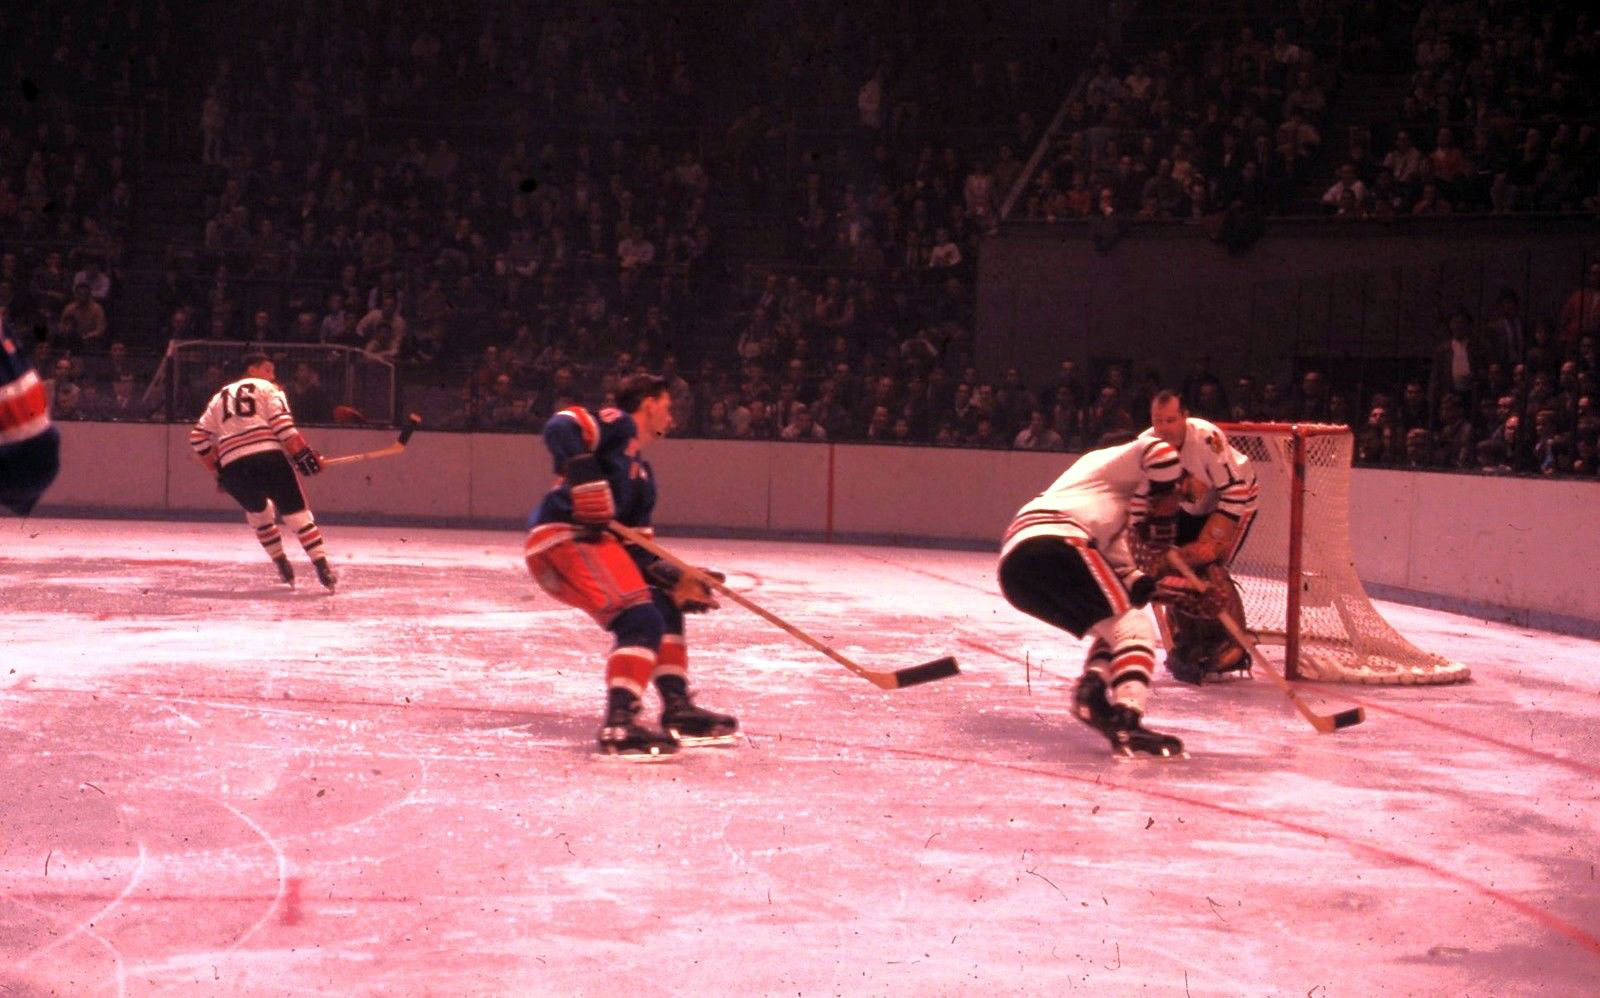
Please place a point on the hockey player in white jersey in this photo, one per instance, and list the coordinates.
(247, 438)
(1211, 526)
(1065, 560)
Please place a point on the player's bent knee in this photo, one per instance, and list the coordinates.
(1132, 627)
(639, 627)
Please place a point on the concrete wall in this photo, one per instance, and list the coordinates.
(1523, 547)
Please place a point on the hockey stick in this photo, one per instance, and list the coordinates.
(927, 672)
(1324, 723)
(412, 422)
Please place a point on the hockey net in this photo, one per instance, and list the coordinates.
(1295, 568)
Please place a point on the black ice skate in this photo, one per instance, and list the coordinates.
(1090, 703)
(695, 726)
(1132, 740)
(623, 738)
(1120, 724)
(285, 570)
(325, 573)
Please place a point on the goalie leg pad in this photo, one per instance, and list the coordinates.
(1202, 646)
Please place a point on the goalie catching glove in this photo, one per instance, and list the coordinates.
(592, 504)
(687, 593)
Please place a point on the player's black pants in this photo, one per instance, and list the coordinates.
(27, 468)
(255, 478)
(1048, 578)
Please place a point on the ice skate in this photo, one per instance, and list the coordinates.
(695, 726)
(325, 574)
(622, 738)
(285, 570)
(1130, 739)
(1090, 703)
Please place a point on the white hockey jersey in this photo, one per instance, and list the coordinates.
(1091, 499)
(249, 416)
(1227, 475)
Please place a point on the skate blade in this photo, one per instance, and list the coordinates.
(707, 741)
(635, 758)
(1137, 757)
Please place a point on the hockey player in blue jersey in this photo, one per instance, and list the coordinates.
(640, 599)
(30, 448)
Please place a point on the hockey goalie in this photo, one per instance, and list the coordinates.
(1206, 522)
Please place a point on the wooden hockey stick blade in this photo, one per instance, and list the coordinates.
(398, 447)
(925, 673)
(1324, 723)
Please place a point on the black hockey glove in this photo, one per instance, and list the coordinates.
(308, 462)
(686, 592)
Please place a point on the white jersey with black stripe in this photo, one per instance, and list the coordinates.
(1227, 475)
(1091, 499)
(249, 416)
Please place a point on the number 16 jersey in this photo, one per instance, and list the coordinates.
(249, 416)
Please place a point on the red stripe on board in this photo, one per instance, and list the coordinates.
(828, 504)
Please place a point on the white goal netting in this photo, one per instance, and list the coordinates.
(1297, 573)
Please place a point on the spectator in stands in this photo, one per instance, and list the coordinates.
(802, 426)
(1349, 183)
(122, 404)
(1458, 362)
(1580, 314)
(1431, 202)
(1419, 449)
(83, 320)
(1454, 442)
(1038, 434)
(309, 401)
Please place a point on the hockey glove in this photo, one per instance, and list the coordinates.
(686, 592)
(1149, 544)
(308, 462)
(1182, 595)
(592, 504)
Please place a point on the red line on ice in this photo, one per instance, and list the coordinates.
(1550, 921)
(1587, 768)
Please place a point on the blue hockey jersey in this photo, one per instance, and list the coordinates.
(611, 436)
(29, 445)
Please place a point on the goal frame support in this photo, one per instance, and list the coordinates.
(1298, 434)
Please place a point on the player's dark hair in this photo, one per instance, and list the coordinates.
(1166, 395)
(638, 387)
(250, 360)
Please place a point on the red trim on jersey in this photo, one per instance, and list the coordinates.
(1116, 596)
(586, 424)
(23, 404)
(1039, 518)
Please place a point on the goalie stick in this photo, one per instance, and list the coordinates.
(927, 672)
(1324, 723)
(412, 422)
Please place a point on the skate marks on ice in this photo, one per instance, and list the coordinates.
(417, 747)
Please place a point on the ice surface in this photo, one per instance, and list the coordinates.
(212, 785)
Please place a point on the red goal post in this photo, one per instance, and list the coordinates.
(1295, 568)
